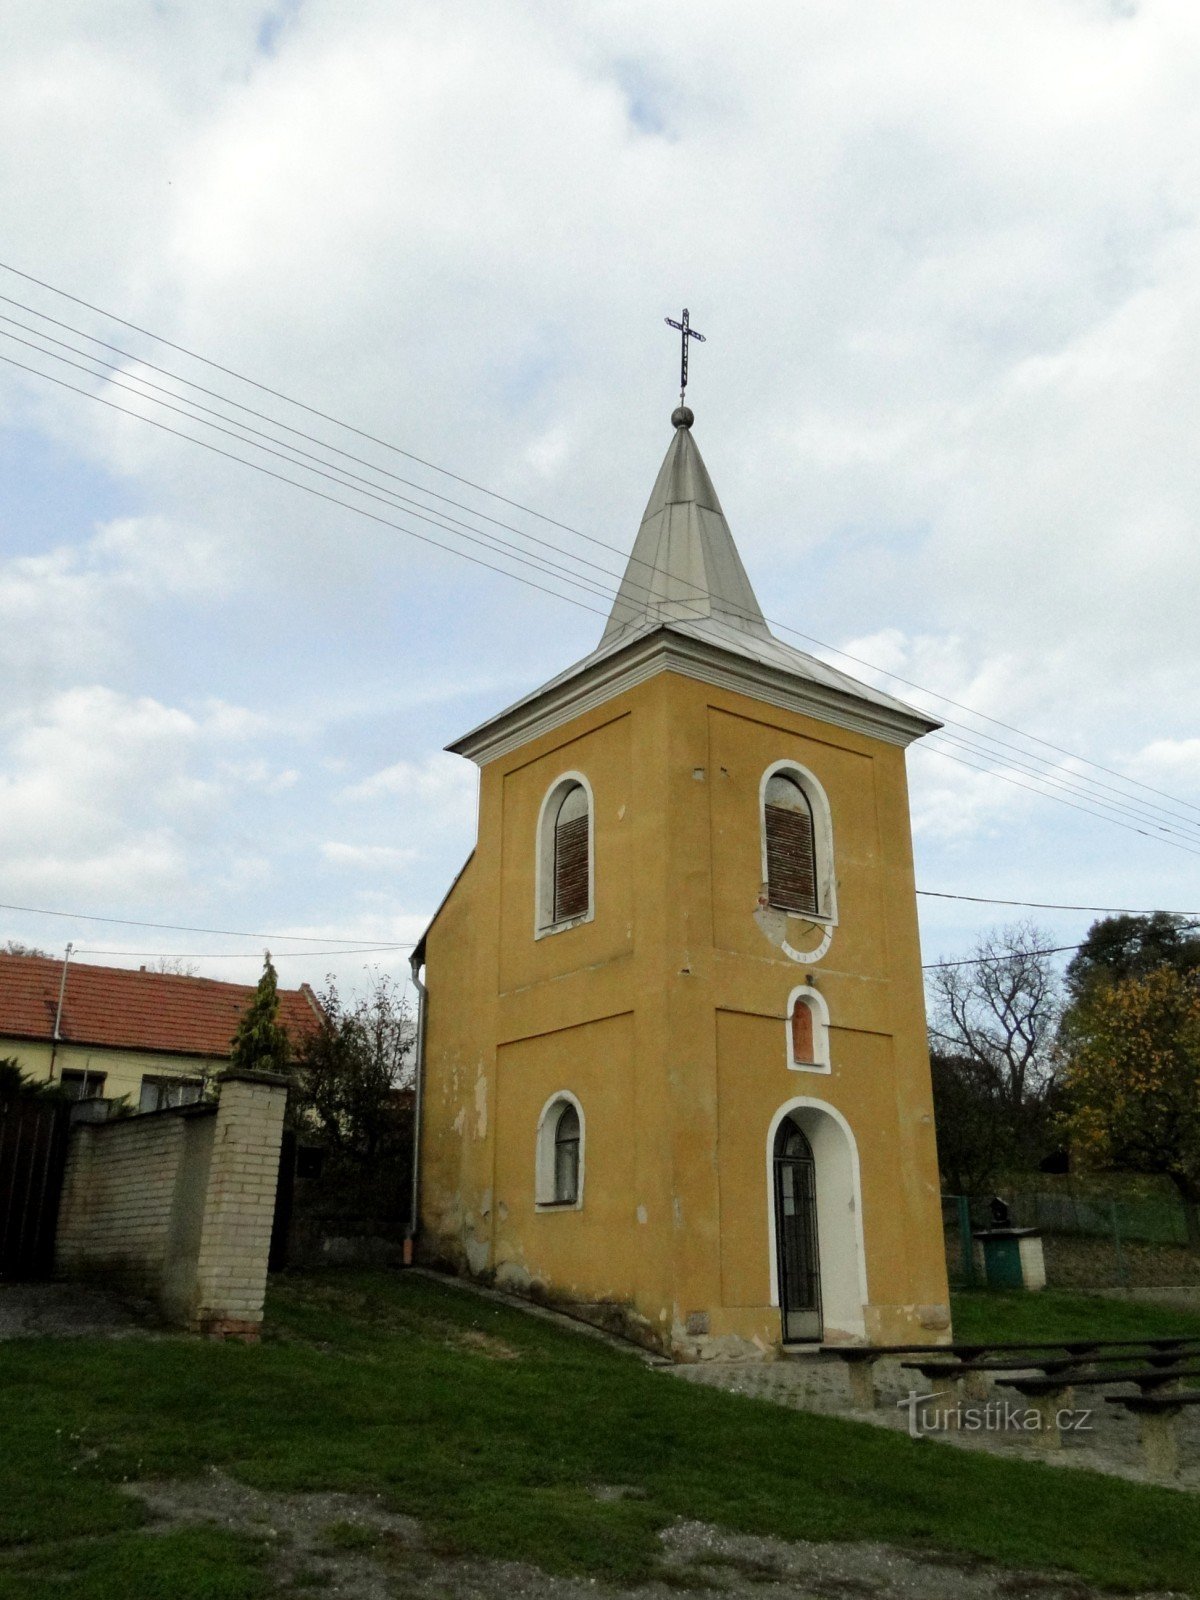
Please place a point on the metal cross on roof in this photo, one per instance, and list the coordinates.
(685, 333)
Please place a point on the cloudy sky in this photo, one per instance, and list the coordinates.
(947, 259)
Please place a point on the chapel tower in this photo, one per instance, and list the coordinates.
(674, 1064)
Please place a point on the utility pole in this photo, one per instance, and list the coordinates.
(62, 990)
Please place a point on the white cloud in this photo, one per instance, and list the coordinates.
(112, 796)
(368, 857)
(443, 787)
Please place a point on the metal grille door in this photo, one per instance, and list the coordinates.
(799, 1260)
(33, 1153)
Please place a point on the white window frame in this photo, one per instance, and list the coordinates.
(543, 873)
(816, 1003)
(547, 1128)
(826, 912)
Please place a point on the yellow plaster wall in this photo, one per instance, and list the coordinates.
(665, 1016)
(123, 1069)
(590, 1253)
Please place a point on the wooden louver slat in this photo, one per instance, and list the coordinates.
(791, 861)
(571, 869)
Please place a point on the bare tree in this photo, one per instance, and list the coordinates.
(176, 967)
(993, 1023)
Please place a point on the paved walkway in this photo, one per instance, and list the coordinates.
(1106, 1439)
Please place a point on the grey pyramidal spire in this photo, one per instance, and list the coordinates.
(684, 565)
(685, 605)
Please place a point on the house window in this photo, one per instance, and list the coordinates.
(807, 1031)
(160, 1093)
(564, 856)
(559, 1167)
(83, 1085)
(797, 843)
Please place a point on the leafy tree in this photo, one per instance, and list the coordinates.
(261, 1042)
(1129, 946)
(1132, 1048)
(348, 1093)
(992, 1032)
(16, 1084)
(348, 1071)
(973, 1143)
(15, 947)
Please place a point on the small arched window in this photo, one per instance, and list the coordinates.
(571, 849)
(566, 1157)
(807, 1031)
(558, 1176)
(803, 1052)
(790, 846)
(564, 856)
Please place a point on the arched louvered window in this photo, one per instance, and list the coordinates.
(572, 842)
(790, 846)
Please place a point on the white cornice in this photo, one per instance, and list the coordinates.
(666, 651)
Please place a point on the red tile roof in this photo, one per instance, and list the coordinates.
(123, 1009)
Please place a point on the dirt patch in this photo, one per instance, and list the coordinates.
(485, 1344)
(757, 1566)
(73, 1311)
(318, 1541)
(353, 1547)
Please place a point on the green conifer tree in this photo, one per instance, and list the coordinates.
(261, 1042)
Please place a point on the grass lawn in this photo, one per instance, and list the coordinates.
(491, 1427)
(1055, 1314)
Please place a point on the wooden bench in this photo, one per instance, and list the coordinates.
(967, 1358)
(1158, 1435)
(1054, 1393)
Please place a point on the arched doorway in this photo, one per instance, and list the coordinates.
(796, 1238)
(828, 1160)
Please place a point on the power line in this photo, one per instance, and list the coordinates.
(1049, 905)
(535, 562)
(935, 750)
(516, 505)
(307, 488)
(438, 544)
(277, 422)
(473, 535)
(1128, 806)
(411, 506)
(241, 955)
(225, 933)
(983, 961)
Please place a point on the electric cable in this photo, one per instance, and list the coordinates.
(517, 505)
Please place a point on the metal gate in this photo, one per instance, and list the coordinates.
(796, 1234)
(33, 1157)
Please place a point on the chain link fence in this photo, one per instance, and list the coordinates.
(1091, 1240)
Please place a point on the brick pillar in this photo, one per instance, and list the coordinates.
(239, 1204)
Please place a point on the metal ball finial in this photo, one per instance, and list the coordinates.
(682, 417)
